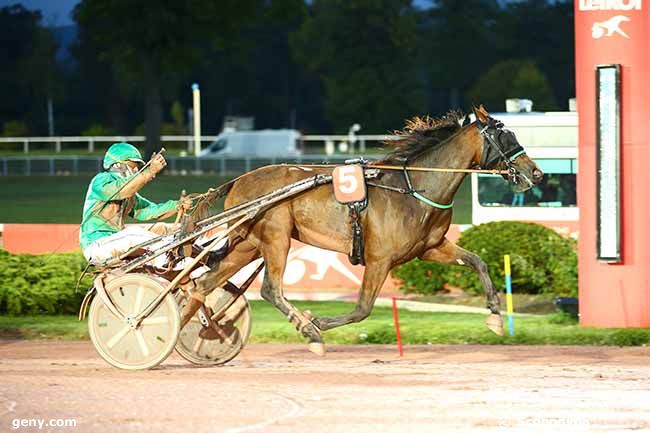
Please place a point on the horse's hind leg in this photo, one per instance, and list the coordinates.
(242, 254)
(275, 258)
(451, 254)
(373, 280)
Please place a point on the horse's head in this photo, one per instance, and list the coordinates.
(502, 151)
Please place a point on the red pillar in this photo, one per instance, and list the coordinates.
(615, 32)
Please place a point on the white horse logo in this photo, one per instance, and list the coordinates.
(609, 27)
(296, 269)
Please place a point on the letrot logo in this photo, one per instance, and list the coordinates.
(297, 273)
(610, 5)
(610, 27)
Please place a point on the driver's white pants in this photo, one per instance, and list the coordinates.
(120, 242)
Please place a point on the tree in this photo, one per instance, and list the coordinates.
(543, 32)
(29, 71)
(363, 51)
(178, 115)
(153, 43)
(459, 40)
(98, 91)
(513, 79)
(254, 74)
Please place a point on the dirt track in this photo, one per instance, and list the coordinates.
(283, 388)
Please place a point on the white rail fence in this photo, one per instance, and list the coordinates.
(358, 142)
(75, 165)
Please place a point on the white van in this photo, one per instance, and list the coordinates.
(267, 143)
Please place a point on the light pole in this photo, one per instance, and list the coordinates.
(352, 135)
(196, 98)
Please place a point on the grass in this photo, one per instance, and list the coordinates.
(269, 326)
(59, 199)
(523, 302)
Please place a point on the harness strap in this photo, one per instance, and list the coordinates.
(417, 195)
(513, 157)
(431, 203)
(387, 187)
(355, 209)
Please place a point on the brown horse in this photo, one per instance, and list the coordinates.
(397, 227)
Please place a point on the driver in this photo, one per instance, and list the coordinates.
(113, 195)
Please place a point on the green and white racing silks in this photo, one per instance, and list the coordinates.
(98, 223)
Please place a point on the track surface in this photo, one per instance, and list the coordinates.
(283, 388)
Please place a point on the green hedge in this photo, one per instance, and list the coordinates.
(542, 261)
(41, 284)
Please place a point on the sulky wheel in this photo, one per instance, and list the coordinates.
(152, 341)
(234, 330)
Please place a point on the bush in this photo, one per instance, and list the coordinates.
(166, 128)
(96, 130)
(419, 276)
(41, 284)
(15, 129)
(513, 79)
(542, 261)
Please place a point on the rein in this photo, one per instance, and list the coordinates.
(409, 168)
(405, 169)
(436, 169)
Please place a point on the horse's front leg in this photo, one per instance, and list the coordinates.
(451, 254)
(373, 279)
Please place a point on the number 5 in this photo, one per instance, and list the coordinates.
(347, 180)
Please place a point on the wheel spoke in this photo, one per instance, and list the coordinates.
(198, 344)
(143, 344)
(118, 337)
(138, 300)
(155, 320)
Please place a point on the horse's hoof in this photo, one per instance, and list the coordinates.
(318, 323)
(495, 324)
(317, 348)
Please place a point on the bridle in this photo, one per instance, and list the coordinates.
(499, 145)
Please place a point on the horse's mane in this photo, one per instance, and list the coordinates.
(422, 133)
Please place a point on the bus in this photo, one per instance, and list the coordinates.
(551, 140)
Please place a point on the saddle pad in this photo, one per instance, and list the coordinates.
(349, 183)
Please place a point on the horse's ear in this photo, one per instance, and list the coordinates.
(481, 115)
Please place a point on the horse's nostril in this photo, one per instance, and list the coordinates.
(537, 174)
